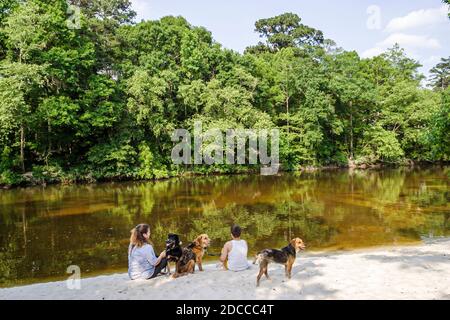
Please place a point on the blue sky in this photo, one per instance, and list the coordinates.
(367, 26)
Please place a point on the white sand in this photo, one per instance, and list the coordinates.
(412, 272)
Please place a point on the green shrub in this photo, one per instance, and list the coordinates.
(9, 178)
(47, 174)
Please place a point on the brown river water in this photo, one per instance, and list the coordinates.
(45, 230)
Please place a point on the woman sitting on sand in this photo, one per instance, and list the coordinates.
(142, 261)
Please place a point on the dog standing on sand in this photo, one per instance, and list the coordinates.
(285, 256)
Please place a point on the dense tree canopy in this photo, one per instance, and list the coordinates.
(100, 101)
(286, 31)
(440, 74)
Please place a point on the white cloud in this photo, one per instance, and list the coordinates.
(410, 41)
(407, 41)
(419, 18)
(372, 52)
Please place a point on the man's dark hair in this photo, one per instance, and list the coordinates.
(236, 231)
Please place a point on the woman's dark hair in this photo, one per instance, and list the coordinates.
(137, 235)
(236, 231)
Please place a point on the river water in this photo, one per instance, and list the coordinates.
(45, 230)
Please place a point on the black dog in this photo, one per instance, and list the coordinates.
(173, 249)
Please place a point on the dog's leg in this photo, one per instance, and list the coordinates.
(262, 270)
(177, 275)
(289, 269)
(265, 272)
(258, 278)
(199, 263)
(191, 266)
(183, 270)
(177, 270)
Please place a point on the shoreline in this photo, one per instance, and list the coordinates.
(206, 263)
(190, 174)
(394, 272)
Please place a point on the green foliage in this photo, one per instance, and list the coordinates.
(150, 165)
(440, 132)
(49, 173)
(115, 159)
(26, 30)
(147, 101)
(117, 11)
(440, 75)
(10, 178)
(101, 102)
(381, 145)
(19, 84)
(6, 7)
(286, 30)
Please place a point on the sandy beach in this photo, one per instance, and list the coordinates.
(409, 272)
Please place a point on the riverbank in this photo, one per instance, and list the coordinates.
(409, 272)
(52, 176)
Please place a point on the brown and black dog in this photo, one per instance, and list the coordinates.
(284, 256)
(191, 255)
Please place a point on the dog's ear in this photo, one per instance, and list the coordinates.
(298, 244)
(293, 242)
(197, 240)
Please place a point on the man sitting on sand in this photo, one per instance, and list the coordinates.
(234, 252)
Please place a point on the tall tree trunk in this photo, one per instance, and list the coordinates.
(22, 147)
(351, 130)
(22, 132)
(49, 132)
(287, 115)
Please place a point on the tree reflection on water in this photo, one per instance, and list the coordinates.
(44, 230)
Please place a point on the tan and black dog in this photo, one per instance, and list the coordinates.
(191, 255)
(284, 256)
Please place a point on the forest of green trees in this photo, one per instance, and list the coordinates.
(100, 102)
